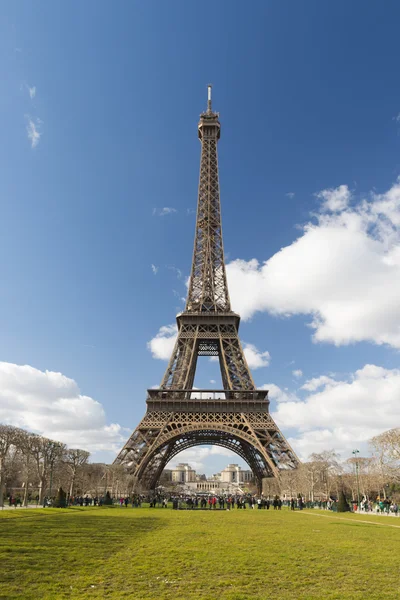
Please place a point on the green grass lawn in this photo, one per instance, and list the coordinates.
(201, 555)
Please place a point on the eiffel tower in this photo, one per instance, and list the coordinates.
(178, 416)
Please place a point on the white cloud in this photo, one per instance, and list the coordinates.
(33, 132)
(290, 195)
(345, 414)
(318, 441)
(343, 271)
(212, 381)
(162, 345)
(297, 373)
(154, 269)
(30, 89)
(177, 271)
(335, 199)
(255, 358)
(316, 382)
(51, 404)
(277, 394)
(161, 212)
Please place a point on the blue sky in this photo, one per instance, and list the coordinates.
(99, 108)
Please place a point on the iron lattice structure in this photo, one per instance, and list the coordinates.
(179, 417)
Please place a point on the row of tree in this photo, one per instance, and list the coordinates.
(324, 475)
(33, 466)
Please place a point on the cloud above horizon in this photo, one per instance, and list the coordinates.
(343, 272)
(33, 131)
(51, 404)
(334, 413)
(337, 413)
(162, 212)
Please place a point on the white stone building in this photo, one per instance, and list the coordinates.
(183, 473)
(235, 474)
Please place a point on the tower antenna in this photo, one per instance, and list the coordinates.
(209, 97)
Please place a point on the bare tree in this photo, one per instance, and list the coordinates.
(9, 437)
(27, 444)
(93, 478)
(386, 447)
(75, 458)
(13, 468)
(290, 482)
(326, 467)
(311, 477)
(45, 454)
(391, 441)
(117, 478)
(388, 443)
(369, 477)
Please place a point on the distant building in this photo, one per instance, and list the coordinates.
(235, 474)
(183, 473)
(229, 480)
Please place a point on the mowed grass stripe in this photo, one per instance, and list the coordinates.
(146, 554)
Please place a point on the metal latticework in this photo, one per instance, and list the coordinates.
(205, 335)
(236, 417)
(208, 289)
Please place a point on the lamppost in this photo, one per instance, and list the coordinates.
(355, 452)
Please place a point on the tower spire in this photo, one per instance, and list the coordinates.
(209, 87)
(208, 288)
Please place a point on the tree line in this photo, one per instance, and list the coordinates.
(324, 475)
(33, 466)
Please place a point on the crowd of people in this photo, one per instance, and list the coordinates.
(221, 502)
(230, 502)
(205, 502)
(380, 506)
(77, 501)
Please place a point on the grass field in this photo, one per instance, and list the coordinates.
(156, 554)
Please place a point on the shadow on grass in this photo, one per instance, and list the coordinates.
(36, 513)
(18, 531)
(45, 553)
